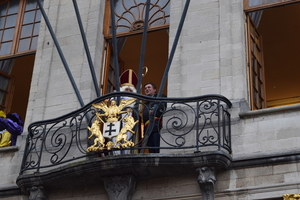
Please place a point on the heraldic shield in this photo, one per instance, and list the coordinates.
(116, 122)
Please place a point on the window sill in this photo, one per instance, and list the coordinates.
(9, 149)
(268, 111)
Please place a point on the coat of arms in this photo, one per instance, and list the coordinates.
(116, 123)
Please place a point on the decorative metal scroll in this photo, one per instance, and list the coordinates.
(130, 14)
(187, 124)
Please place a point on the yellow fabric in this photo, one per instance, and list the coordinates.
(155, 119)
(2, 114)
(5, 139)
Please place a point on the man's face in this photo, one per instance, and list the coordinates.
(149, 90)
(128, 89)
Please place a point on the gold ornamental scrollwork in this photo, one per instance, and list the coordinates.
(114, 116)
(291, 196)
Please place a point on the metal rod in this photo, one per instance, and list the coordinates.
(163, 82)
(87, 51)
(114, 43)
(60, 53)
(142, 60)
(143, 48)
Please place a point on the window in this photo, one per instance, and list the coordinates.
(129, 16)
(250, 5)
(19, 28)
(273, 61)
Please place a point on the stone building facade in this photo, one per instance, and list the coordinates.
(218, 52)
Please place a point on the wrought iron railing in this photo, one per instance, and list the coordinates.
(188, 125)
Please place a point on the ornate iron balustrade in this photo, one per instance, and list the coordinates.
(188, 125)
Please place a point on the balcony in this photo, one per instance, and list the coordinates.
(60, 153)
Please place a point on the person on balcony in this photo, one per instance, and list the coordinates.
(11, 126)
(128, 82)
(154, 136)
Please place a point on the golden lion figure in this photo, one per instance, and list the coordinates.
(291, 196)
(99, 140)
(121, 139)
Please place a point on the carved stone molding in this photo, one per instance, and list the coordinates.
(119, 187)
(207, 180)
(37, 193)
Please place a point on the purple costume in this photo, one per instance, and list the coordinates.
(13, 124)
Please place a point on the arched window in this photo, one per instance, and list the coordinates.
(129, 25)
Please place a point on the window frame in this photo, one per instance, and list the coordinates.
(248, 8)
(255, 67)
(107, 67)
(14, 51)
(106, 24)
(17, 32)
(250, 70)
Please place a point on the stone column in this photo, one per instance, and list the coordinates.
(207, 180)
(37, 193)
(120, 187)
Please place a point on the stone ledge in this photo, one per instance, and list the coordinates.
(11, 190)
(143, 166)
(265, 160)
(268, 111)
(9, 149)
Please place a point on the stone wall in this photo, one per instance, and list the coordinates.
(210, 56)
(51, 93)
(266, 182)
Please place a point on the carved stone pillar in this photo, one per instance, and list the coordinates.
(120, 187)
(37, 193)
(206, 180)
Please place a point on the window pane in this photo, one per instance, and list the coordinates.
(31, 4)
(34, 43)
(5, 48)
(29, 17)
(24, 45)
(3, 7)
(252, 3)
(8, 34)
(38, 16)
(130, 14)
(3, 82)
(14, 6)
(2, 21)
(26, 30)
(36, 29)
(11, 21)
(255, 2)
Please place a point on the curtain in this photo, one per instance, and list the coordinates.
(5, 67)
(120, 43)
(255, 16)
